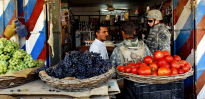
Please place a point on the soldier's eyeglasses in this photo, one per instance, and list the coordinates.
(150, 21)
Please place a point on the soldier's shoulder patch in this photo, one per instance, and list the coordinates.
(163, 37)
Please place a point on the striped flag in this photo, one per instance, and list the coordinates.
(33, 17)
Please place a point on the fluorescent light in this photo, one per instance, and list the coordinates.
(104, 10)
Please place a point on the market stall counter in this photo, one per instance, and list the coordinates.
(39, 89)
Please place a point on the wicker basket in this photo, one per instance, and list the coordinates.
(70, 83)
(154, 79)
(13, 79)
(6, 97)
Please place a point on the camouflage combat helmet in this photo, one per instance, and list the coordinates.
(156, 14)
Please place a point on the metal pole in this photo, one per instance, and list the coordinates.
(194, 41)
(16, 18)
(46, 18)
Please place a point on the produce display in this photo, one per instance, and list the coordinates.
(13, 59)
(161, 64)
(79, 65)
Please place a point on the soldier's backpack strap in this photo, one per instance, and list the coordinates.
(121, 57)
(143, 45)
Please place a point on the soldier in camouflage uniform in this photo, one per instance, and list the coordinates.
(129, 47)
(159, 35)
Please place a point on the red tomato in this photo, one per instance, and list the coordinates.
(174, 60)
(158, 55)
(164, 71)
(181, 64)
(143, 64)
(154, 72)
(137, 65)
(165, 52)
(118, 67)
(138, 62)
(175, 64)
(128, 69)
(144, 70)
(169, 58)
(185, 68)
(121, 68)
(176, 57)
(155, 62)
(131, 64)
(188, 65)
(148, 59)
(134, 70)
(183, 61)
(161, 62)
(180, 71)
(174, 71)
(167, 65)
(153, 66)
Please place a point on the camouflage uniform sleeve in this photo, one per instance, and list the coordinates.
(164, 36)
(115, 57)
(147, 51)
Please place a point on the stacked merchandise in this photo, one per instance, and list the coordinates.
(135, 22)
(94, 21)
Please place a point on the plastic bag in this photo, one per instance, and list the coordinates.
(108, 16)
(116, 17)
(126, 15)
(122, 16)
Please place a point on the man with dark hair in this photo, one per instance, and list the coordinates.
(98, 45)
(130, 48)
(98, 27)
(128, 28)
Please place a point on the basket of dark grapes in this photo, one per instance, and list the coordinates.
(78, 72)
(16, 66)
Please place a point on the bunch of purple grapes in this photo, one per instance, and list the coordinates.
(80, 65)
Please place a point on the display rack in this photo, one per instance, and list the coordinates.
(116, 34)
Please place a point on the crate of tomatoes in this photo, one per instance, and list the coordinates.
(160, 69)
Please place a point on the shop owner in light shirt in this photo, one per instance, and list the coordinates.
(98, 45)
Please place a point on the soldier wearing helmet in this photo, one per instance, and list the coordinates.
(159, 35)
